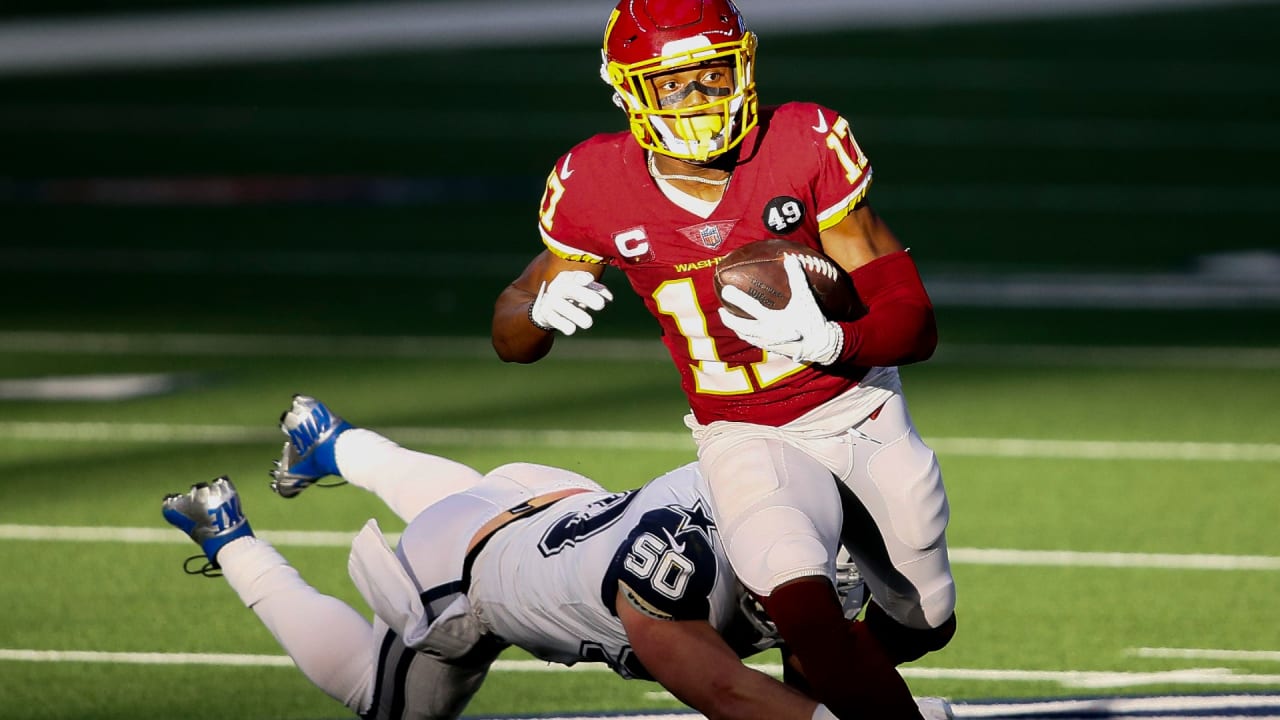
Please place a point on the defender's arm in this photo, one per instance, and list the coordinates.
(695, 664)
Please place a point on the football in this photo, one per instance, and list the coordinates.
(756, 269)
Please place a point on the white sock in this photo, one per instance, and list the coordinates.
(406, 480)
(332, 644)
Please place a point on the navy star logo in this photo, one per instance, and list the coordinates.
(694, 519)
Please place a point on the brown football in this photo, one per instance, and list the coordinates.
(756, 269)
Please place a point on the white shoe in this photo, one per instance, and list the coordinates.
(935, 708)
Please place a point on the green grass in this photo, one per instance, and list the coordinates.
(1131, 143)
(134, 598)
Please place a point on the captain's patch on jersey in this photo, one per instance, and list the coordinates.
(633, 245)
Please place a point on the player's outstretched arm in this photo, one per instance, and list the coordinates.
(552, 294)
(695, 664)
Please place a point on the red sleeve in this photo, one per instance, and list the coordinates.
(899, 327)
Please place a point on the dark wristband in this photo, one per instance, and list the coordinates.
(535, 323)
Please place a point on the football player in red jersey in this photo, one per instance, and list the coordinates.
(782, 402)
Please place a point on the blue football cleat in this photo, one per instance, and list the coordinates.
(210, 514)
(308, 455)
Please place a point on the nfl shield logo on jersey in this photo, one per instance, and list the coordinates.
(709, 235)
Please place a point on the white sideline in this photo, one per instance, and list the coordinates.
(1185, 707)
(1065, 678)
(220, 36)
(959, 555)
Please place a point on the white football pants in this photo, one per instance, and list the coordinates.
(780, 510)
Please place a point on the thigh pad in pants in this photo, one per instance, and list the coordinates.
(898, 485)
(778, 510)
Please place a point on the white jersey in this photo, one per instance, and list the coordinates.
(548, 582)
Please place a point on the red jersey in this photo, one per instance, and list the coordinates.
(799, 172)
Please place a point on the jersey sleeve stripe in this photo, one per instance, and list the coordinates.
(568, 252)
(832, 216)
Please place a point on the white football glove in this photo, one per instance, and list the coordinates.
(562, 304)
(798, 331)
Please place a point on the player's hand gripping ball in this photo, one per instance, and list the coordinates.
(756, 269)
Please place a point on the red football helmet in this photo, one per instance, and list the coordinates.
(646, 38)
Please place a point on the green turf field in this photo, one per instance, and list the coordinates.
(1114, 472)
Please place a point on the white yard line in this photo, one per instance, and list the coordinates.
(146, 658)
(634, 440)
(959, 555)
(1106, 449)
(1208, 654)
(100, 387)
(169, 536)
(1068, 558)
(1098, 679)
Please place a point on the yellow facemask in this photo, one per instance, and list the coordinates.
(689, 133)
